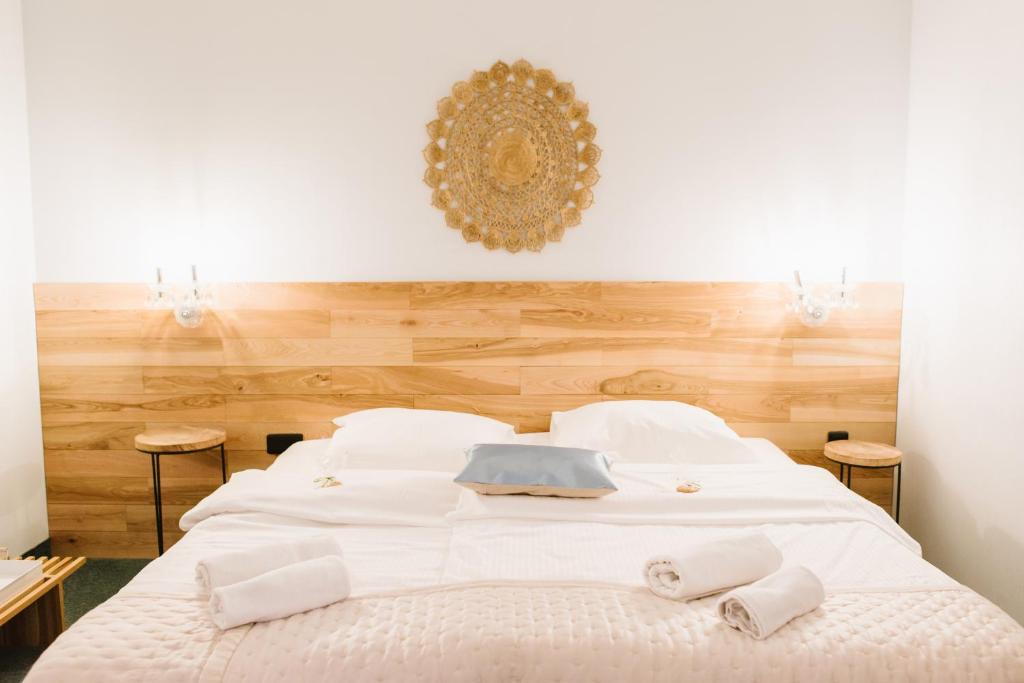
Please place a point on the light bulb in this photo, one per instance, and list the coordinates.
(189, 313)
(814, 312)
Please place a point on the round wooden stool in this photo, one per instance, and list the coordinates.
(869, 455)
(177, 440)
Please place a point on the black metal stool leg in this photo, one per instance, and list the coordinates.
(157, 503)
(223, 466)
(898, 470)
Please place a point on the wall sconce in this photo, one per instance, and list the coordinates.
(814, 304)
(188, 301)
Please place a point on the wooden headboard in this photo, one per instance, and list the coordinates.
(291, 356)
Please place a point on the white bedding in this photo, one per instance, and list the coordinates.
(450, 585)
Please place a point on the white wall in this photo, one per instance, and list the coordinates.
(960, 387)
(270, 140)
(22, 493)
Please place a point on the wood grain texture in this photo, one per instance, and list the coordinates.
(94, 379)
(425, 380)
(696, 352)
(510, 351)
(179, 439)
(616, 321)
(639, 379)
(236, 380)
(304, 352)
(509, 295)
(309, 408)
(106, 351)
(240, 324)
(863, 453)
(131, 407)
(76, 324)
(289, 357)
(425, 323)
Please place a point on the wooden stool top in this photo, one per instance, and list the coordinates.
(178, 439)
(863, 453)
(55, 570)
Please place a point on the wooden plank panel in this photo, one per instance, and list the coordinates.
(92, 296)
(513, 351)
(131, 407)
(526, 413)
(425, 323)
(200, 351)
(86, 517)
(803, 380)
(107, 543)
(252, 436)
(99, 489)
(852, 407)
(846, 352)
(87, 463)
(232, 324)
(615, 380)
(88, 323)
(696, 352)
(312, 408)
(812, 435)
(305, 352)
(731, 295)
(774, 323)
(407, 380)
(707, 296)
(97, 379)
(262, 362)
(778, 379)
(513, 295)
(615, 321)
(326, 296)
(92, 435)
(236, 380)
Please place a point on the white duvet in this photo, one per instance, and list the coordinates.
(469, 573)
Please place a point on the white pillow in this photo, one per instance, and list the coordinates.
(409, 439)
(650, 432)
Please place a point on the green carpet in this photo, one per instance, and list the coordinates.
(96, 581)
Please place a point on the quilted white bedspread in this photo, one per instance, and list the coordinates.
(543, 633)
(449, 586)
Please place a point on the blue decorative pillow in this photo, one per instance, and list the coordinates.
(537, 470)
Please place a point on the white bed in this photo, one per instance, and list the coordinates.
(448, 585)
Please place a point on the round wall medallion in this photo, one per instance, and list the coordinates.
(512, 158)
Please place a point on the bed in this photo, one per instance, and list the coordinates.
(448, 585)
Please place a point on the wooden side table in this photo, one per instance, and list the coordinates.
(35, 616)
(869, 455)
(177, 440)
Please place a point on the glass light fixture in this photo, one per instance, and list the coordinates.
(814, 304)
(188, 301)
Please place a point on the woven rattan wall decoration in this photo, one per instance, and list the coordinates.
(512, 158)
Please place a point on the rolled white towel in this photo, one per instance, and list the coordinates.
(763, 607)
(281, 592)
(711, 567)
(224, 569)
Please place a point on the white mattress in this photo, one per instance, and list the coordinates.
(449, 585)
